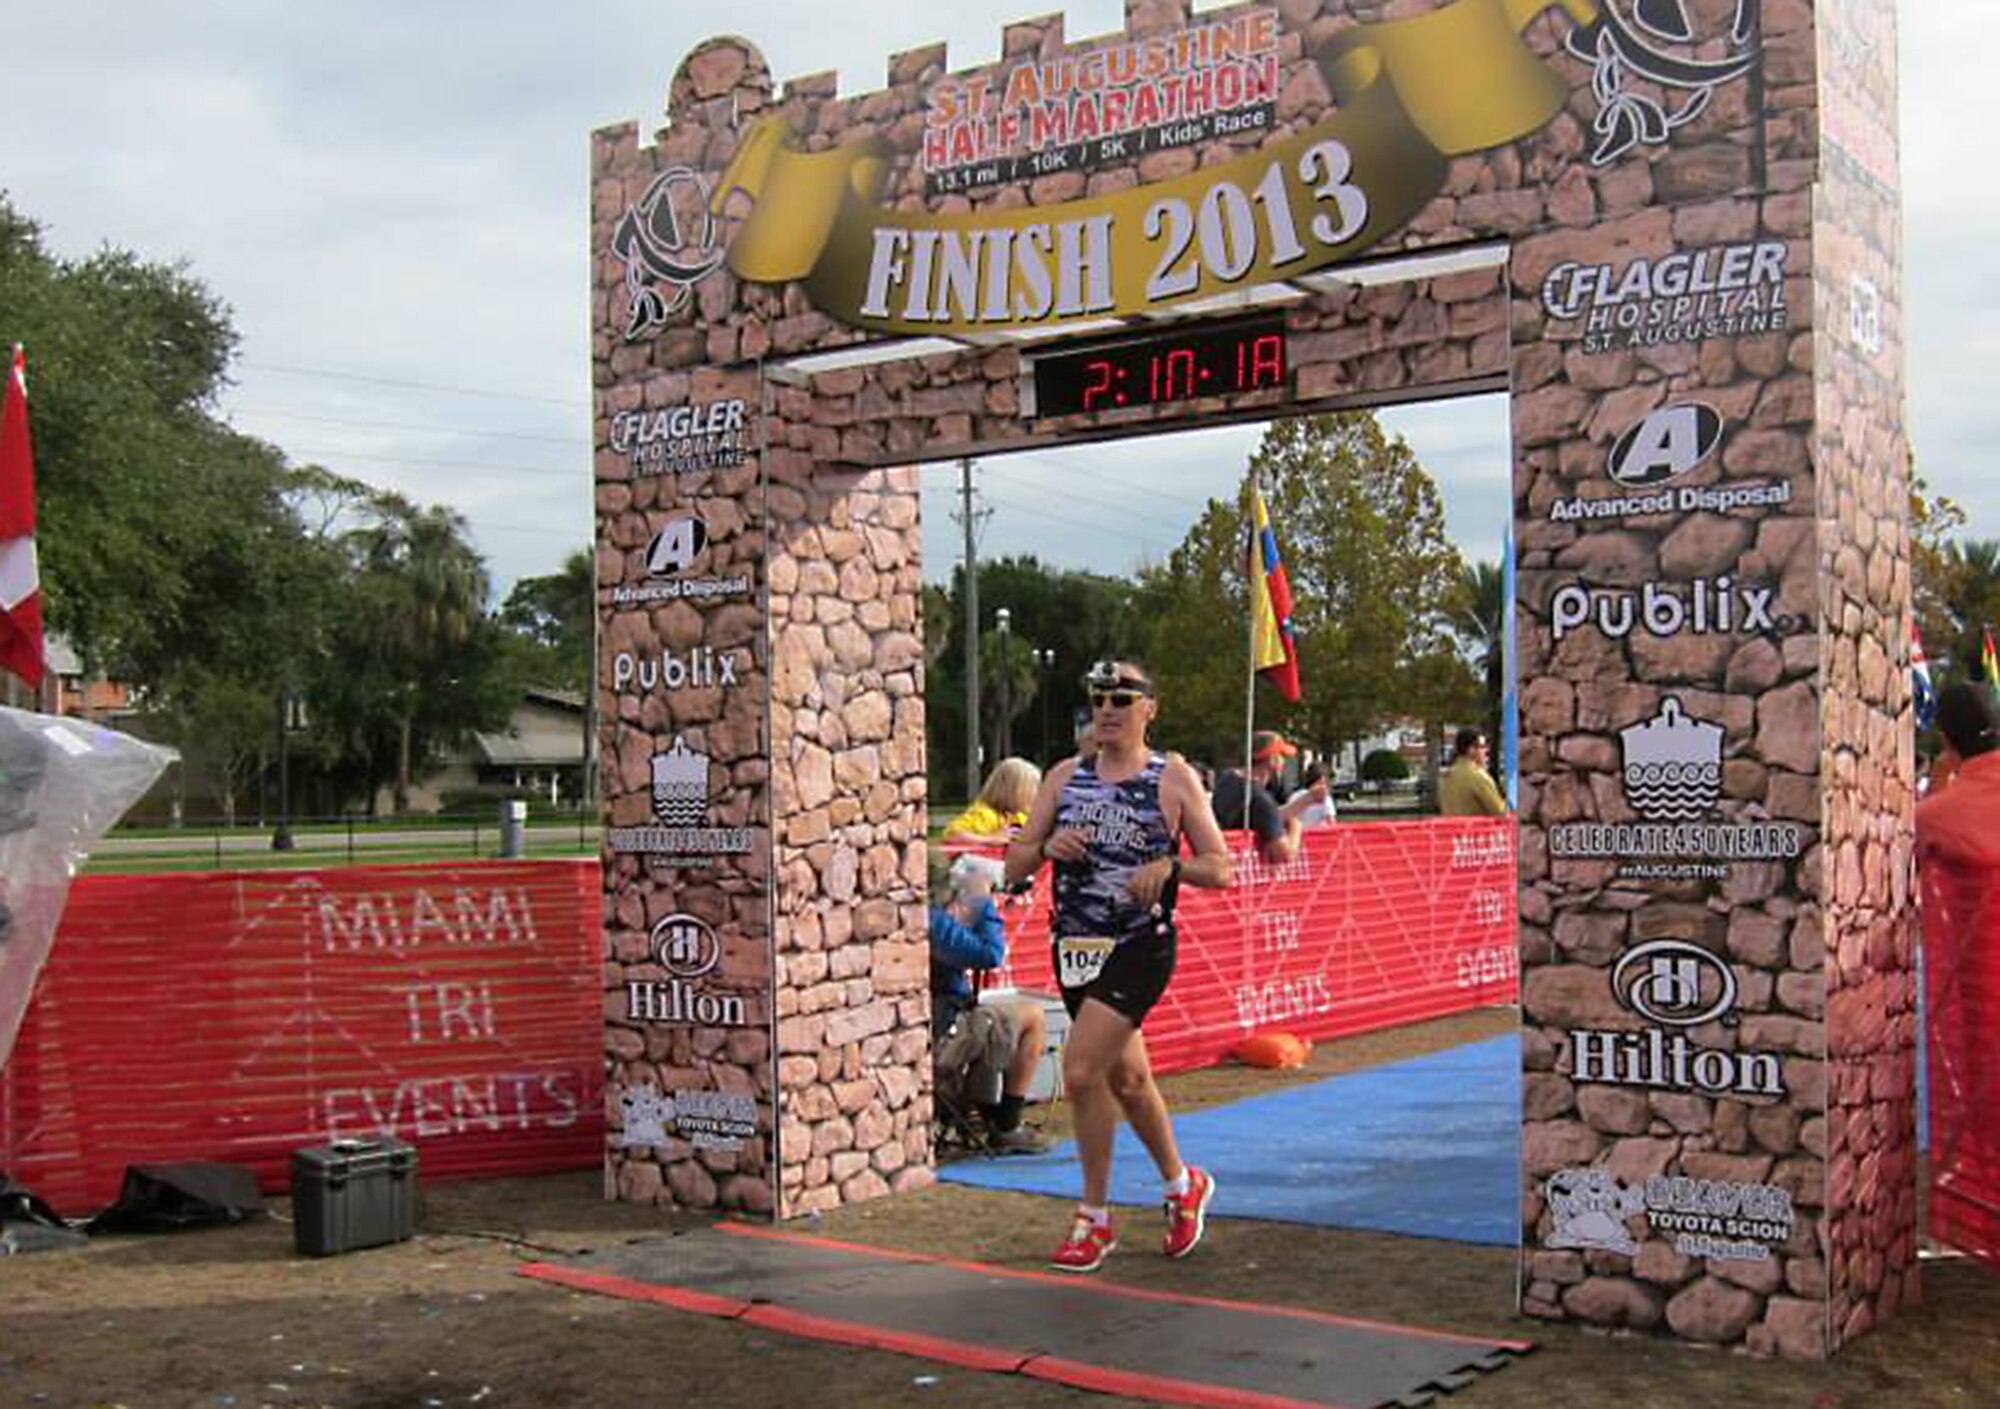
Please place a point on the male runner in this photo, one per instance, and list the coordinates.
(1113, 824)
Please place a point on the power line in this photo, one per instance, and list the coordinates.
(402, 426)
(1102, 531)
(409, 383)
(1099, 476)
(1179, 531)
(414, 461)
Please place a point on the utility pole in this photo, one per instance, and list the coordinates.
(971, 568)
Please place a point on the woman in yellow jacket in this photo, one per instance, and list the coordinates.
(1001, 808)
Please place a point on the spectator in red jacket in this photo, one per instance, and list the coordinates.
(1960, 820)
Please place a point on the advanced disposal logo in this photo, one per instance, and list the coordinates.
(1672, 779)
(672, 556)
(1690, 296)
(1658, 450)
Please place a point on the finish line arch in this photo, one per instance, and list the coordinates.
(1671, 233)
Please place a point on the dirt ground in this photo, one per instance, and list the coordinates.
(232, 1319)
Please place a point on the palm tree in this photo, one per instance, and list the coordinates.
(1479, 616)
(431, 587)
(1007, 666)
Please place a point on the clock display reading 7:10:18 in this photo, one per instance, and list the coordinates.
(1162, 368)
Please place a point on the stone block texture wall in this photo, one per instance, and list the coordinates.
(1691, 291)
(847, 712)
(1867, 729)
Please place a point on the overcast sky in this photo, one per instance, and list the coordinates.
(392, 197)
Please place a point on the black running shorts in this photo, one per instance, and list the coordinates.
(1132, 980)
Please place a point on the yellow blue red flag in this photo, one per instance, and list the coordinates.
(1276, 653)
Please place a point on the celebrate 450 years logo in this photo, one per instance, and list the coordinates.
(1409, 95)
(1672, 779)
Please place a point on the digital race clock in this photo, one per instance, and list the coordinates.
(1158, 368)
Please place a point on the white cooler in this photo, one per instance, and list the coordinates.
(1047, 1084)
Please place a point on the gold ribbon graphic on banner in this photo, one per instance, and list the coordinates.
(1411, 93)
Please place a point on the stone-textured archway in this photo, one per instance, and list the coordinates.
(1683, 229)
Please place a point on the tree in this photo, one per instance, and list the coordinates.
(1479, 616)
(553, 619)
(139, 485)
(1934, 519)
(1384, 766)
(1006, 688)
(1374, 582)
(1079, 616)
(1972, 595)
(417, 663)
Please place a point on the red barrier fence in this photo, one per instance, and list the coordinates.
(240, 1016)
(1370, 925)
(1961, 934)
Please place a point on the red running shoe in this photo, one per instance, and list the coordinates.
(1187, 1214)
(1086, 1247)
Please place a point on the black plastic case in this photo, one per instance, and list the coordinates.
(353, 1194)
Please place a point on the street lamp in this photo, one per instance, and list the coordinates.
(1045, 664)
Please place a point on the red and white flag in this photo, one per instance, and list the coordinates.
(20, 578)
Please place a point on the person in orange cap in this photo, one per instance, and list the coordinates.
(1244, 801)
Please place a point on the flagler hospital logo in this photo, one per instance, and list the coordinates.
(667, 240)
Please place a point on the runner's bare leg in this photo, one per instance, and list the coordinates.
(1097, 1040)
(1139, 1095)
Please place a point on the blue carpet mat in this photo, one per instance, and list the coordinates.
(1429, 1147)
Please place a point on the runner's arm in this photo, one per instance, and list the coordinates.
(1189, 814)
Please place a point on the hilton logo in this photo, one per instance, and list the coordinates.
(1675, 984)
(688, 948)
